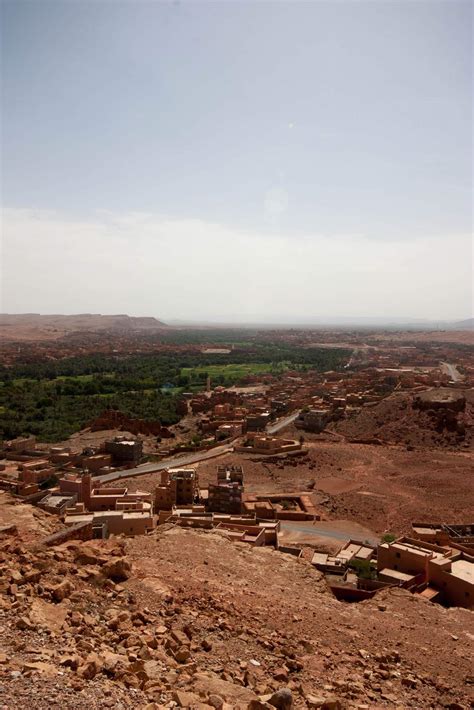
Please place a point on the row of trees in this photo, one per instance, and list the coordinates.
(164, 367)
(55, 417)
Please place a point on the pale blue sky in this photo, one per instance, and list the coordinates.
(312, 126)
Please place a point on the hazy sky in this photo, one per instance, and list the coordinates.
(237, 160)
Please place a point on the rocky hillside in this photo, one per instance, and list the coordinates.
(400, 419)
(189, 619)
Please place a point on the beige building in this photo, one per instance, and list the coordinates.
(111, 510)
(178, 486)
(259, 444)
(114, 522)
(445, 569)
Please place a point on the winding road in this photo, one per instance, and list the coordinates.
(343, 533)
(274, 428)
(452, 372)
(189, 458)
(290, 527)
(184, 460)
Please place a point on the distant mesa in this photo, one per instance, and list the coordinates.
(32, 326)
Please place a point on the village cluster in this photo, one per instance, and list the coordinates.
(84, 490)
(151, 555)
(436, 562)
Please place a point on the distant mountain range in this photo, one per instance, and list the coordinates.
(34, 326)
(368, 322)
(467, 324)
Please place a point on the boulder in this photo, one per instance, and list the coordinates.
(206, 644)
(323, 703)
(70, 661)
(118, 569)
(208, 683)
(24, 623)
(62, 590)
(282, 699)
(87, 670)
(47, 615)
(111, 661)
(154, 670)
(86, 555)
(92, 665)
(180, 637)
(40, 667)
(281, 674)
(186, 699)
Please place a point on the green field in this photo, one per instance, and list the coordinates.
(232, 371)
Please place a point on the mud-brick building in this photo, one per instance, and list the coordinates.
(124, 450)
(225, 496)
(445, 571)
(178, 486)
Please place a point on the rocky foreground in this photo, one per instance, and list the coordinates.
(189, 619)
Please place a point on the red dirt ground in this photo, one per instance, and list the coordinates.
(381, 487)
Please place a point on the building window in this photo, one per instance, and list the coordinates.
(398, 555)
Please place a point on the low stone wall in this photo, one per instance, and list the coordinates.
(80, 531)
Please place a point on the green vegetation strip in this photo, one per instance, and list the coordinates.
(53, 399)
(234, 370)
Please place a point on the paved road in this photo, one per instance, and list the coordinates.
(184, 460)
(274, 428)
(187, 459)
(325, 532)
(452, 372)
(349, 362)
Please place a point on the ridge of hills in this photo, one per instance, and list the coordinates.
(467, 324)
